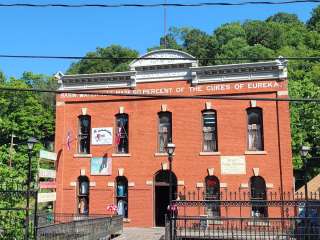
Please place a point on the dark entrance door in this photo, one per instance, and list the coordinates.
(161, 191)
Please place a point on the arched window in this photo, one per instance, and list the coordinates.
(255, 129)
(122, 195)
(209, 131)
(84, 134)
(122, 133)
(164, 130)
(258, 197)
(212, 192)
(83, 195)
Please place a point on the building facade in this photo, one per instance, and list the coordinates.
(111, 135)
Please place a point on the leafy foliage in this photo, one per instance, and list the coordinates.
(102, 65)
(23, 114)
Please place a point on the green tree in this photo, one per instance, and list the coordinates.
(23, 114)
(2, 77)
(228, 32)
(285, 18)
(314, 22)
(268, 34)
(115, 63)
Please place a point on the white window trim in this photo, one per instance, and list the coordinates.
(210, 153)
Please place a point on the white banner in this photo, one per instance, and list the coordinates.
(102, 136)
(47, 173)
(233, 165)
(50, 156)
(47, 197)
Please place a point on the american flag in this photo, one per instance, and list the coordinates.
(118, 134)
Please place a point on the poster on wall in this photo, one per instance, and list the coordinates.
(101, 166)
(233, 165)
(102, 136)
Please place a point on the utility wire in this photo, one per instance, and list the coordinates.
(153, 5)
(316, 58)
(155, 96)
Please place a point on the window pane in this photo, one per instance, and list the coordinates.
(255, 129)
(122, 196)
(258, 194)
(209, 132)
(212, 193)
(165, 130)
(122, 133)
(84, 134)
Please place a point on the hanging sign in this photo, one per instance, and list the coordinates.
(47, 185)
(48, 156)
(102, 136)
(47, 173)
(101, 166)
(233, 165)
(47, 197)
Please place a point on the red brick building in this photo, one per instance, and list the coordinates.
(111, 148)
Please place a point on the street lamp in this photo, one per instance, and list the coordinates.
(304, 152)
(170, 150)
(30, 143)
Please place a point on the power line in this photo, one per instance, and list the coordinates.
(154, 96)
(153, 5)
(315, 58)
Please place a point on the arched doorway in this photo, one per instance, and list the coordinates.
(83, 195)
(212, 193)
(122, 196)
(161, 194)
(258, 197)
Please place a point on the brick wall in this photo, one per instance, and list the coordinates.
(188, 165)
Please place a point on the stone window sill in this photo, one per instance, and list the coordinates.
(210, 153)
(215, 222)
(258, 222)
(121, 155)
(162, 154)
(255, 152)
(81, 155)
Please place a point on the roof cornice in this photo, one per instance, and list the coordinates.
(177, 71)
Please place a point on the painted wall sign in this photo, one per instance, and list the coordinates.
(47, 173)
(47, 185)
(101, 166)
(201, 89)
(233, 165)
(46, 155)
(102, 136)
(47, 197)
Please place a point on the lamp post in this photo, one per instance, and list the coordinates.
(304, 152)
(30, 142)
(170, 150)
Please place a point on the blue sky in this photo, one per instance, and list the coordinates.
(74, 32)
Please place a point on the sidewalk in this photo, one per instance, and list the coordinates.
(134, 233)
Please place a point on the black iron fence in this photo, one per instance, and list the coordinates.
(18, 220)
(245, 228)
(238, 215)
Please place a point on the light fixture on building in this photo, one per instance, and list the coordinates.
(170, 148)
(304, 151)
